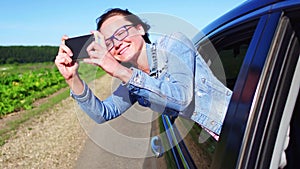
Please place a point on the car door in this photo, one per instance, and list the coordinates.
(256, 56)
(240, 111)
(260, 59)
(241, 48)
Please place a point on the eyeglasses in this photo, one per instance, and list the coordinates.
(119, 35)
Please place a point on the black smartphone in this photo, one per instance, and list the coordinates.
(78, 46)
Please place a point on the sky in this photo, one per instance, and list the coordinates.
(44, 22)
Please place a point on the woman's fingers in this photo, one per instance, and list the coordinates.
(97, 49)
(99, 39)
(65, 65)
(64, 38)
(90, 47)
(63, 48)
(64, 62)
(63, 58)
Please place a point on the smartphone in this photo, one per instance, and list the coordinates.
(78, 46)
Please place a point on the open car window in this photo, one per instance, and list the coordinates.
(224, 53)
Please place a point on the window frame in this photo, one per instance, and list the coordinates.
(234, 128)
(275, 86)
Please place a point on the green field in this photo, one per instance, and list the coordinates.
(22, 84)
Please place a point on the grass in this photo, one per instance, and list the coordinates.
(87, 72)
(12, 126)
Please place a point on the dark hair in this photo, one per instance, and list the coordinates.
(135, 20)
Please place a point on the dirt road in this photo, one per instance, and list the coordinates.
(56, 139)
(52, 140)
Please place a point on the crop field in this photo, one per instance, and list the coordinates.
(22, 84)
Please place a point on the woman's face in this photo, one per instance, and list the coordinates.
(129, 48)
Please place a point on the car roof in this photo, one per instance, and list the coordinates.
(239, 11)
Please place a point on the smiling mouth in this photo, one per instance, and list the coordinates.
(123, 50)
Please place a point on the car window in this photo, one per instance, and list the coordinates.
(224, 53)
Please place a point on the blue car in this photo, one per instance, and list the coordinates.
(256, 46)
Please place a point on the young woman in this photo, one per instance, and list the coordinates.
(161, 75)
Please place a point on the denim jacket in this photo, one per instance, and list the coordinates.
(168, 89)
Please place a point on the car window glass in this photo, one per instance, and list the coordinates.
(224, 53)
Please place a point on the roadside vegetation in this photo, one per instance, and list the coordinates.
(23, 84)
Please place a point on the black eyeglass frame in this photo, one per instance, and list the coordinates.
(111, 38)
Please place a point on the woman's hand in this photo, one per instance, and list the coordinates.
(64, 62)
(99, 56)
(67, 67)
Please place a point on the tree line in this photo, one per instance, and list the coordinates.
(27, 54)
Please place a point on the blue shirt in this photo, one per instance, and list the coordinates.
(169, 88)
